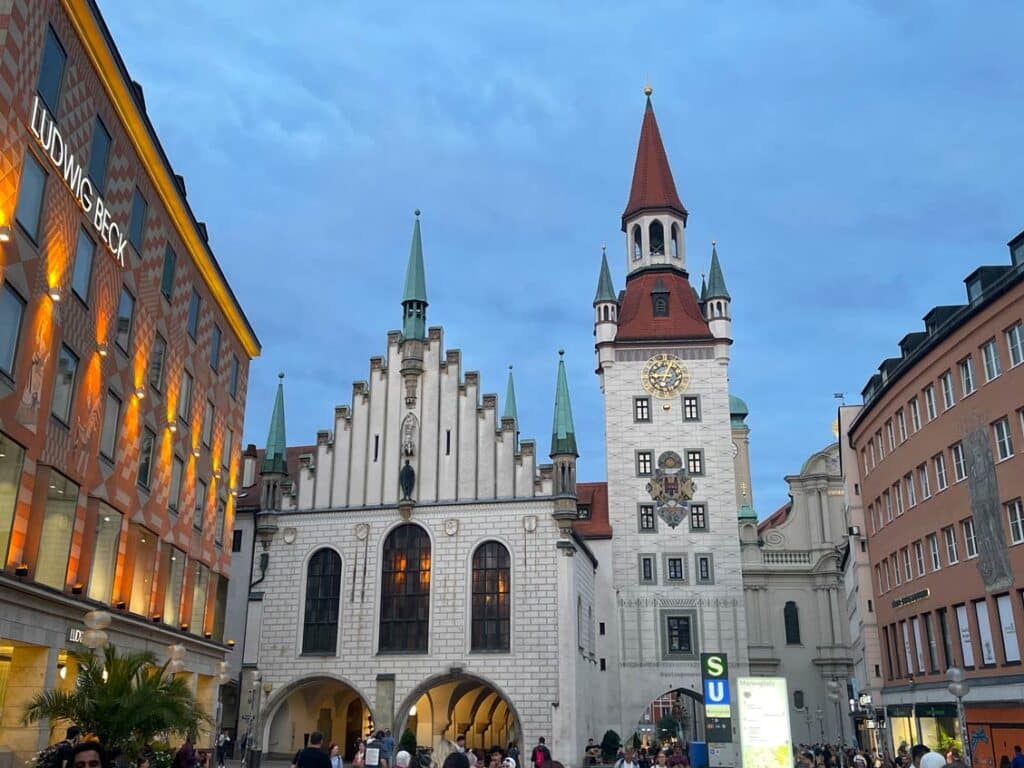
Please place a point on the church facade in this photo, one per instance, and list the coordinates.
(392, 571)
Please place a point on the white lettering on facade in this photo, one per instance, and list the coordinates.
(88, 198)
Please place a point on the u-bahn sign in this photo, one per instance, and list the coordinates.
(714, 674)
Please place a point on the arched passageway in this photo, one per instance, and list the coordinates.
(324, 704)
(443, 708)
(675, 716)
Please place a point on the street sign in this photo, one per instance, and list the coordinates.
(714, 672)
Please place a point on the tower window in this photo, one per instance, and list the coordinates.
(698, 517)
(657, 235)
(647, 522)
(641, 409)
(661, 306)
(644, 463)
(447, 442)
(791, 618)
(637, 247)
(674, 245)
(691, 408)
(647, 569)
(695, 462)
(376, 447)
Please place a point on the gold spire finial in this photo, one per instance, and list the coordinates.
(647, 89)
(714, 243)
(604, 249)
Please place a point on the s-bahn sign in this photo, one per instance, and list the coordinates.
(714, 673)
(50, 139)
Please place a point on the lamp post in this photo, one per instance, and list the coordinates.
(959, 687)
(821, 723)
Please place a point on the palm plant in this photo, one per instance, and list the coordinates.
(125, 700)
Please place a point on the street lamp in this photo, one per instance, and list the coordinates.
(821, 723)
(833, 693)
(959, 687)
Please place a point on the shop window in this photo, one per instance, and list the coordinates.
(172, 573)
(185, 397)
(200, 588)
(12, 457)
(143, 546)
(108, 430)
(218, 528)
(220, 604)
(200, 506)
(146, 458)
(12, 312)
(1008, 629)
(104, 554)
(177, 470)
(58, 525)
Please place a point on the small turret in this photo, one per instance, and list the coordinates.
(716, 299)
(606, 315)
(510, 415)
(274, 469)
(563, 452)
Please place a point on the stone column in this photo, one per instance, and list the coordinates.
(563, 720)
(384, 702)
(33, 669)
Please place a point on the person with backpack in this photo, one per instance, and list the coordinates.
(541, 754)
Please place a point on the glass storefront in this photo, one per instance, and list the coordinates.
(172, 571)
(200, 584)
(58, 525)
(104, 556)
(12, 456)
(144, 567)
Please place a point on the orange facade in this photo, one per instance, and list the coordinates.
(123, 353)
(939, 446)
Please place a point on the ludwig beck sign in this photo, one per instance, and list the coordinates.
(70, 169)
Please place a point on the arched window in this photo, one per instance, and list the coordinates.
(405, 591)
(323, 593)
(492, 611)
(657, 235)
(791, 616)
(637, 245)
(798, 699)
(675, 241)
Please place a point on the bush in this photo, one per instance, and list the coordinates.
(610, 744)
(408, 741)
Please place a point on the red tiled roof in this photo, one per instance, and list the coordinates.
(596, 495)
(636, 317)
(249, 495)
(653, 187)
(776, 518)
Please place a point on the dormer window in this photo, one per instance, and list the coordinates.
(974, 290)
(637, 244)
(657, 235)
(1017, 254)
(659, 299)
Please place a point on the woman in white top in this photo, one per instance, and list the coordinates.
(335, 754)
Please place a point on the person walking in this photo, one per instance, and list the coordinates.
(387, 748)
(185, 757)
(222, 747)
(359, 761)
(334, 755)
(541, 754)
(312, 756)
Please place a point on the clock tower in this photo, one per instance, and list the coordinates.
(663, 366)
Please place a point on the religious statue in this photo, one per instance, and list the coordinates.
(409, 435)
(407, 481)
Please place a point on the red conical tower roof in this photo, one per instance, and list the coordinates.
(653, 187)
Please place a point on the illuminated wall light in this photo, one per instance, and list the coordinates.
(140, 392)
(21, 571)
(55, 293)
(196, 452)
(62, 670)
(208, 635)
(172, 425)
(120, 605)
(156, 618)
(76, 589)
(5, 234)
(231, 643)
(184, 627)
(102, 349)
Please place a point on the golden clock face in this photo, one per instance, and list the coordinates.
(665, 376)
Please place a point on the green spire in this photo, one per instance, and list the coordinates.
(605, 289)
(703, 288)
(563, 434)
(716, 282)
(274, 459)
(510, 399)
(414, 297)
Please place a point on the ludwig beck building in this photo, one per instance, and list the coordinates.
(421, 566)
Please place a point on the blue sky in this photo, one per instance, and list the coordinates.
(855, 161)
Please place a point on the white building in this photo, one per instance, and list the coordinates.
(418, 567)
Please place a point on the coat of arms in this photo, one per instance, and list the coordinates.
(671, 487)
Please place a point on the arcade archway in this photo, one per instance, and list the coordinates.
(674, 716)
(441, 709)
(325, 704)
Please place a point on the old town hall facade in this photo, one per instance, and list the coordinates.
(398, 563)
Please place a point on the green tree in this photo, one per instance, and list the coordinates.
(124, 700)
(408, 741)
(668, 727)
(610, 744)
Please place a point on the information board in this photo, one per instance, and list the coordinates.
(765, 739)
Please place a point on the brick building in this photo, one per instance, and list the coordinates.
(937, 445)
(123, 366)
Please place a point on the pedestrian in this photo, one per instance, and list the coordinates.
(312, 756)
(402, 759)
(185, 757)
(387, 748)
(334, 755)
(360, 757)
(513, 752)
(627, 759)
(456, 760)
(460, 743)
(222, 747)
(373, 750)
(66, 746)
(917, 752)
(541, 754)
(1018, 757)
(87, 754)
(933, 760)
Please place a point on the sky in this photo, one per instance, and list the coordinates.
(854, 161)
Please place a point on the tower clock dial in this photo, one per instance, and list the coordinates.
(664, 376)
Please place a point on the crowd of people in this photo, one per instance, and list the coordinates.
(918, 756)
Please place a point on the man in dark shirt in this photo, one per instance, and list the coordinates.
(312, 756)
